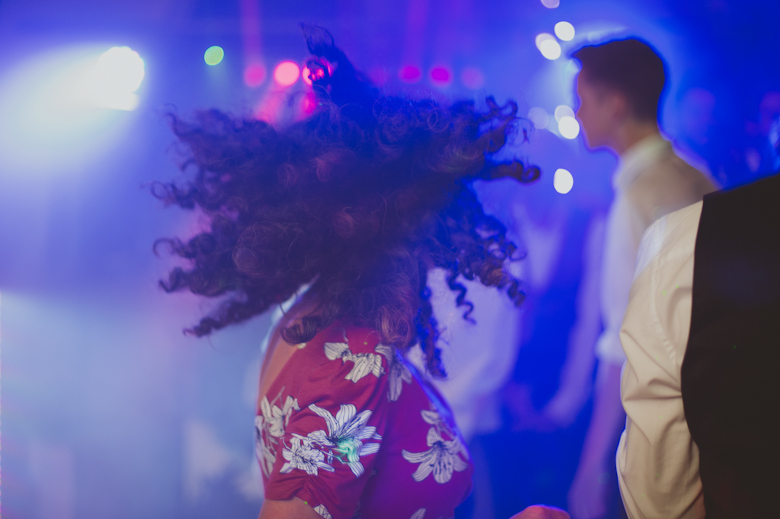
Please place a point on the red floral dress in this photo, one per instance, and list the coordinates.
(352, 429)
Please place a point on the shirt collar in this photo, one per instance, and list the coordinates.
(637, 158)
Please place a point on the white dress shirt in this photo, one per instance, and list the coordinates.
(657, 461)
(651, 181)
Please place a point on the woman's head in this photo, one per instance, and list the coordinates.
(359, 200)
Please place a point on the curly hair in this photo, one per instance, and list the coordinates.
(360, 200)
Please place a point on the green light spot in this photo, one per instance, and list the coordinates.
(664, 292)
(214, 55)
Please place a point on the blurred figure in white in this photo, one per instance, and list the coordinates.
(619, 88)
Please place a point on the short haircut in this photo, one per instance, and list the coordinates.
(631, 67)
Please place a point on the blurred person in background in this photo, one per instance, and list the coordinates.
(619, 89)
(762, 155)
(357, 203)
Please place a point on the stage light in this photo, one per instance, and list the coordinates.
(441, 76)
(287, 73)
(548, 46)
(118, 73)
(551, 4)
(53, 116)
(564, 31)
(214, 55)
(472, 78)
(410, 74)
(563, 181)
(563, 111)
(254, 75)
(569, 127)
(539, 117)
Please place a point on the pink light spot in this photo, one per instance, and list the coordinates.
(287, 73)
(441, 75)
(472, 78)
(410, 74)
(254, 75)
(306, 76)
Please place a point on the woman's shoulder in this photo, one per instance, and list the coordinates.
(340, 339)
(343, 353)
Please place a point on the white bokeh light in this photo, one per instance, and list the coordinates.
(548, 46)
(569, 127)
(551, 4)
(118, 74)
(539, 117)
(563, 181)
(563, 111)
(564, 31)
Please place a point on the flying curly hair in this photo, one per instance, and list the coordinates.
(359, 201)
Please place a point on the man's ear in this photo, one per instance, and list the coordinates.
(617, 105)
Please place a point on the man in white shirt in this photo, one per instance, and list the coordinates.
(700, 385)
(619, 88)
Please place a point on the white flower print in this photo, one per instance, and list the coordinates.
(346, 433)
(444, 457)
(320, 509)
(264, 452)
(364, 363)
(269, 426)
(302, 456)
(399, 372)
(277, 417)
(419, 514)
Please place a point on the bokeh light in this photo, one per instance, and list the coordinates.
(563, 181)
(441, 76)
(472, 78)
(569, 127)
(63, 108)
(551, 4)
(548, 46)
(410, 74)
(539, 117)
(564, 31)
(118, 74)
(305, 73)
(287, 73)
(254, 75)
(563, 111)
(214, 55)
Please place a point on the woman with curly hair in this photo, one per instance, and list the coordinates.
(348, 210)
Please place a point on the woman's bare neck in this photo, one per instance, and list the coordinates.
(279, 351)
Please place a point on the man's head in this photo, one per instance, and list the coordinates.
(620, 81)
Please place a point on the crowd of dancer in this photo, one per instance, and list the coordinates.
(446, 322)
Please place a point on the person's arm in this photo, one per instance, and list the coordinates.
(575, 380)
(289, 509)
(590, 490)
(657, 461)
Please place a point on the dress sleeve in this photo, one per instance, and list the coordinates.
(329, 445)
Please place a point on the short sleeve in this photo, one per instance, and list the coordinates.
(330, 427)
